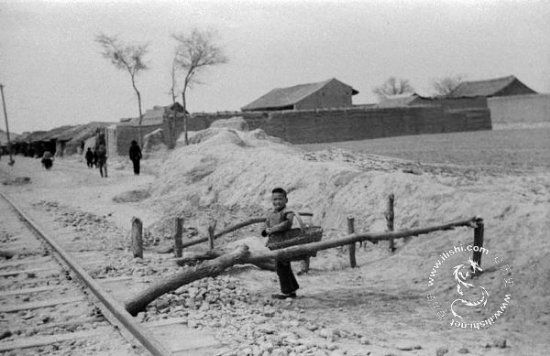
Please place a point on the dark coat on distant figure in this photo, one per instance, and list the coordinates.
(135, 152)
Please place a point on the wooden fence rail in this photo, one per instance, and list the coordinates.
(230, 229)
(242, 255)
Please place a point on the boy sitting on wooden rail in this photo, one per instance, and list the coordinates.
(277, 222)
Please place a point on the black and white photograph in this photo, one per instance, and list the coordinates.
(275, 177)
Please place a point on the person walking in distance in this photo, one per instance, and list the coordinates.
(102, 160)
(135, 156)
(89, 158)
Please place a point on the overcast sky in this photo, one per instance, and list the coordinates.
(54, 75)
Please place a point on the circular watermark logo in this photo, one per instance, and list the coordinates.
(471, 305)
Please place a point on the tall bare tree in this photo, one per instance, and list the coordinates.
(128, 57)
(446, 85)
(393, 86)
(173, 95)
(194, 52)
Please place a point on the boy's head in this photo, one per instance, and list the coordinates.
(278, 198)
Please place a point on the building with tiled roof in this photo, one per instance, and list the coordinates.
(331, 93)
(492, 87)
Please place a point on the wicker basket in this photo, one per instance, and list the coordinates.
(298, 236)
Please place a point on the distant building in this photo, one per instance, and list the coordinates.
(407, 99)
(122, 134)
(154, 116)
(492, 87)
(4, 141)
(331, 93)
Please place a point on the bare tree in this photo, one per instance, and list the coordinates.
(193, 53)
(446, 85)
(128, 57)
(393, 86)
(173, 94)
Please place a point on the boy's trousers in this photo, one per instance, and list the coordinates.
(286, 277)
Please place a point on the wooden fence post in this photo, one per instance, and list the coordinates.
(178, 231)
(389, 220)
(211, 233)
(478, 241)
(351, 230)
(137, 237)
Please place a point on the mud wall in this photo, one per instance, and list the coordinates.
(332, 125)
(125, 134)
(520, 109)
(317, 126)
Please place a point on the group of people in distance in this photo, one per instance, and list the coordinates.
(98, 158)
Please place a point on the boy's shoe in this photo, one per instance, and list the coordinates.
(284, 296)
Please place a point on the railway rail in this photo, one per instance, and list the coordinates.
(50, 304)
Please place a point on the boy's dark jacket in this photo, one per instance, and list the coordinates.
(278, 222)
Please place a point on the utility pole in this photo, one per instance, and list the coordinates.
(7, 127)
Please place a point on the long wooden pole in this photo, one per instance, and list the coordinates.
(206, 269)
(226, 231)
(7, 125)
(243, 256)
(234, 228)
(293, 251)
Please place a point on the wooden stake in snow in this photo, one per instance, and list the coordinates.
(389, 219)
(351, 230)
(478, 240)
(178, 231)
(211, 236)
(137, 237)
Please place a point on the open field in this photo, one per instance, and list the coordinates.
(523, 149)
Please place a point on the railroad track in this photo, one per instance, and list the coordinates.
(50, 305)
